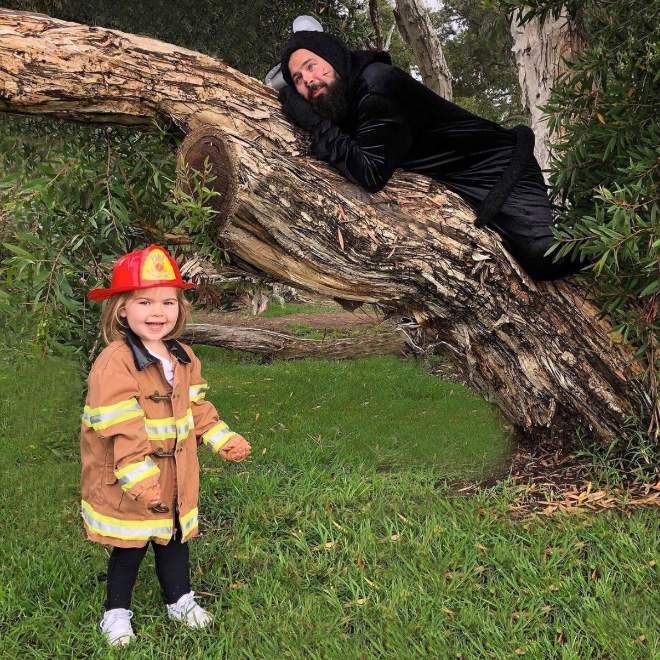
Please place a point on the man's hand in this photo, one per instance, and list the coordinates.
(236, 449)
(298, 109)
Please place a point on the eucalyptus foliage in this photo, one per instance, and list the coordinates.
(604, 115)
(476, 42)
(73, 199)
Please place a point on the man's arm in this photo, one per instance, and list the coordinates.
(381, 144)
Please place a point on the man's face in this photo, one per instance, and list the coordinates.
(319, 83)
(311, 74)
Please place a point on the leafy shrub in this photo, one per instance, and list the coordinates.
(605, 172)
(73, 199)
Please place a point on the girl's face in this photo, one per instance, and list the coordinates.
(152, 313)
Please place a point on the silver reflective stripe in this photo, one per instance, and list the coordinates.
(163, 528)
(109, 416)
(221, 433)
(190, 524)
(133, 474)
(184, 426)
(168, 429)
(197, 391)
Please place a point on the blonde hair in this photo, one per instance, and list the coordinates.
(114, 327)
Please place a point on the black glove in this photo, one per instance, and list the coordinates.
(298, 109)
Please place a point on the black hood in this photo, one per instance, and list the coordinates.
(332, 49)
(360, 59)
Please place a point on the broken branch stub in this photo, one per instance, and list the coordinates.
(207, 155)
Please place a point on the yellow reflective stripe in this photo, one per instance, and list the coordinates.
(160, 429)
(189, 521)
(134, 473)
(105, 416)
(197, 392)
(130, 530)
(184, 426)
(217, 436)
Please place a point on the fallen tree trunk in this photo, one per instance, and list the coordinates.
(536, 350)
(279, 345)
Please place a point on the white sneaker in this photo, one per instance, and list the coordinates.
(189, 612)
(116, 626)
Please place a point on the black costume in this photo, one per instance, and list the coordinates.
(394, 121)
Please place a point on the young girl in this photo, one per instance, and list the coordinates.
(144, 416)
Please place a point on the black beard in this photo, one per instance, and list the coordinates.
(334, 103)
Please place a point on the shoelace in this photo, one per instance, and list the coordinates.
(118, 615)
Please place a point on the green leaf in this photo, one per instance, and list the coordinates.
(19, 251)
(652, 288)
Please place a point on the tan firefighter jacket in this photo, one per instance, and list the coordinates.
(137, 431)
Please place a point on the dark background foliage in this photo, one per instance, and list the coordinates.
(477, 46)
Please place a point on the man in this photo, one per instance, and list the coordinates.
(368, 118)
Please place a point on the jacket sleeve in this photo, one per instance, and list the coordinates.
(209, 428)
(113, 411)
(381, 143)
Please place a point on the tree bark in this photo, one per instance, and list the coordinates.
(540, 50)
(536, 350)
(413, 21)
(282, 346)
(375, 21)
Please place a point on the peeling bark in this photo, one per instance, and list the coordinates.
(540, 51)
(536, 350)
(413, 21)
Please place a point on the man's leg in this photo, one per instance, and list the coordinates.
(525, 227)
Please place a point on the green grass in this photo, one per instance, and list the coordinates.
(377, 412)
(337, 539)
(275, 309)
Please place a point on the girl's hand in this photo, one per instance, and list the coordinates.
(237, 449)
(156, 495)
(150, 496)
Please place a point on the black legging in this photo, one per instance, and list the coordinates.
(172, 568)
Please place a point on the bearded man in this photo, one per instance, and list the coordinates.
(368, 118)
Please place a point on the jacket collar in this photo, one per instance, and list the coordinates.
(143, 358)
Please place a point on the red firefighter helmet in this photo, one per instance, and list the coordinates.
(142, 270)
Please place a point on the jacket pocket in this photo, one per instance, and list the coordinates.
(109, 477)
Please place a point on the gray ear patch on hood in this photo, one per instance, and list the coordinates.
(302, 23)
(306, 23)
